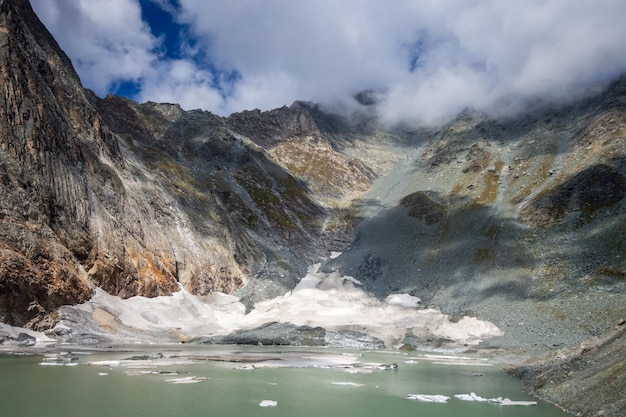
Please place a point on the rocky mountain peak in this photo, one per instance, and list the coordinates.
(270, 127)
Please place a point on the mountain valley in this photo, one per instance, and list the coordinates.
(513, 222)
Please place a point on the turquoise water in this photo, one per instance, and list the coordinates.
(28, 389)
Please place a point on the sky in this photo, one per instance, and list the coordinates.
(424, 60)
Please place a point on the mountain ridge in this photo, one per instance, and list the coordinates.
(145, 197)
(282, 185)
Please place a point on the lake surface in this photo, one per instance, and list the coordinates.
(141, 388)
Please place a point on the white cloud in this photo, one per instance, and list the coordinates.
(262, 91)
(182, 82)
(429, 58)
(106, 39)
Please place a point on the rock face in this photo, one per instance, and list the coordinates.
(46, 144)
(140, 199)
(286, 334)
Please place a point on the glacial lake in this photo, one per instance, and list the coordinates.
(126, 384)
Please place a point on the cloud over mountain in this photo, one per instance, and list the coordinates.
(428, 59)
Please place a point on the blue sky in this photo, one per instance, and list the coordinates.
(426, 59)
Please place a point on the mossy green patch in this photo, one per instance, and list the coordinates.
(484, 256)
(423, 207)
(608, 274)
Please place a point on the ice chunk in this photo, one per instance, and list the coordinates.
(268, 403)
(471, 397)
(429, 398)
(186, 380)
(498, 400)
(506, 401)
(403, 300)
(350, 384)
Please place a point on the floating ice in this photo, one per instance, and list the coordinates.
(499, 400)
(186, 380)
(350, 384)
(104, 363)
(506, 401)
(268, 403)
(429, 398)
(471, 397)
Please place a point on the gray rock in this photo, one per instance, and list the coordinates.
(287, 334)
(352, 339)
(271, 334)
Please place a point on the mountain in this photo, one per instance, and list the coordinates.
(519, 221)
(140, 199)
(526, 212)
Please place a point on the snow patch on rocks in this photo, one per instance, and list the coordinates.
(327, 300)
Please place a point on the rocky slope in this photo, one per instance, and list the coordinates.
(520, 222)
(526, 213)
(587, 380)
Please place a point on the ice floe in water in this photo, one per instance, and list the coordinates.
(499, 400)
(471, 397)
(436, 398)
(429, 398)
(349, 384)
(506, 401)
(105, 363)
(186, 380)
(268, 403)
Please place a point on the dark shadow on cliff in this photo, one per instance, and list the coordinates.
(457, 254)
(438, 249)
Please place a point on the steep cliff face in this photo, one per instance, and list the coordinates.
(229, 205)
(46, 142)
